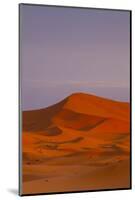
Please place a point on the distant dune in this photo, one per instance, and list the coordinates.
(80, 143)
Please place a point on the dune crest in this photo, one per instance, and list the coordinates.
(80, 138)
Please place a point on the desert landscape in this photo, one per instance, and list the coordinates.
(80, 143)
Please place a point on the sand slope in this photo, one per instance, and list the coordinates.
(80, 143)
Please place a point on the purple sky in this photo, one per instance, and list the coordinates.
(66, 50)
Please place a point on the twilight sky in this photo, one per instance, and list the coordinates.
(67, 50)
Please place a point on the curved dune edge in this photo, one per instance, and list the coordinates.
(80, 143)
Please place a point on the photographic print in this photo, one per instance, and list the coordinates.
(75, 93)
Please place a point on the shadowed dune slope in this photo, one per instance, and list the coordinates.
(80, 138)
(78, 107)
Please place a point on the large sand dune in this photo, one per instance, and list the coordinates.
(80, 143)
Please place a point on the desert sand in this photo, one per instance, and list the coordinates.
(80, 143)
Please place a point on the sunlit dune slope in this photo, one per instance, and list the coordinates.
(93, 109)
(80, 123)
(82, 142)
(93, 105)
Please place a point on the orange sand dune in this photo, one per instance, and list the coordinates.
(80, 143)
(90, 104)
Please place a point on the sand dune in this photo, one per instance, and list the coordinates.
(80, 143)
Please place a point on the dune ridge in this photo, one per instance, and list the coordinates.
(83, 132)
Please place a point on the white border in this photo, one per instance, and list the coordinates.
(9, 97)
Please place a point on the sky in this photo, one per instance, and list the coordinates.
(69, 50)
